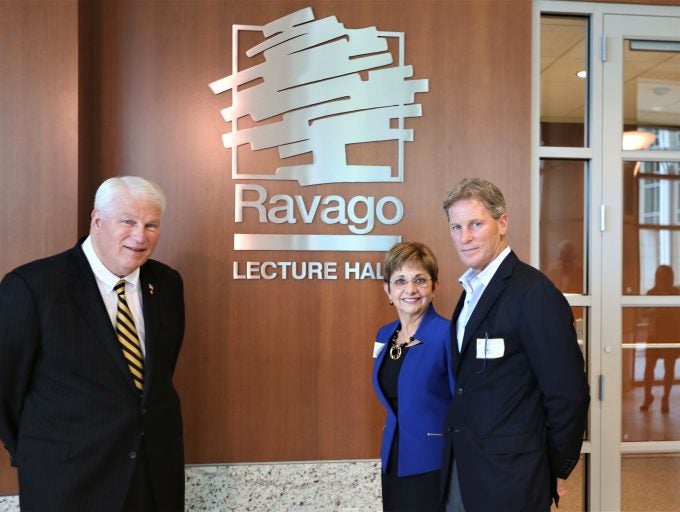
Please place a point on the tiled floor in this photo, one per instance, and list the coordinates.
(651, 425)
(649, 482)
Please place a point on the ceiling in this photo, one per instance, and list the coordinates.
(651, 78)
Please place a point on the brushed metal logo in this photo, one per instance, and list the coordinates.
(316, 87)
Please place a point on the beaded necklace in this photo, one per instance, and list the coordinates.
(395, 348)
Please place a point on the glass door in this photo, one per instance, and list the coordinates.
(640, 266)
(606, 230)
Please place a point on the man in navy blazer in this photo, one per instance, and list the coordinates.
(82, 433)
(516, 422)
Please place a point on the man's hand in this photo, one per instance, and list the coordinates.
(561, 487)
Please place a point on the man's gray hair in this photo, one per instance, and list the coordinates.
(137, 187)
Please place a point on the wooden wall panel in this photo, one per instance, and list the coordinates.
(38, 138)
(38, 127)
(280, 370)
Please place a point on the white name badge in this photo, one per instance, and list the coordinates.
(490, 348)
(377, 348)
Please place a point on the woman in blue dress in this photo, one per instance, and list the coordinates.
(413, 381)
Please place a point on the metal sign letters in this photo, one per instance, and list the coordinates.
(315, 88)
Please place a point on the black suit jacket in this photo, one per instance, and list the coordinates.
(70, 415)
(517, 417)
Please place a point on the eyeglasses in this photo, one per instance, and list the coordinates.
(420, 282)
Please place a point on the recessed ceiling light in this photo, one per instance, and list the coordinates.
(582, 74)
(661, 90)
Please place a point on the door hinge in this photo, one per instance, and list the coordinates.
(603, 48)
(600, 387)
(603, 218)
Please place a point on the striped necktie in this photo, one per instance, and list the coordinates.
(127, 337)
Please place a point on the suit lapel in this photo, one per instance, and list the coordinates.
(488, 298)
(455, 353)
(422, 334)
(379, 362)
(152, 317)
(86, 295)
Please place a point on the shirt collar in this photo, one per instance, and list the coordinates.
(471, 280)
(102, 273)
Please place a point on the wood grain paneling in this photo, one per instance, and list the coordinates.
(38, 159)
(280, 369)
(38, 138)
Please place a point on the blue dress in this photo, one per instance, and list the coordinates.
(416, 392)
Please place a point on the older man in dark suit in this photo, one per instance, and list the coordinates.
(515, 426)
(89, 339)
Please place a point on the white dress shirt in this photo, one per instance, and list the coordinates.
(474, 285)
(106, 281)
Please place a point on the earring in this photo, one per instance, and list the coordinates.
(391, 303)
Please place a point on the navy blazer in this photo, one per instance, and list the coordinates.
(425, 386)
(519, 409)
(70, 415)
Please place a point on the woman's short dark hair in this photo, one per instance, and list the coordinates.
(412, 253)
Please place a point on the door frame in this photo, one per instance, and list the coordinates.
(604, 300)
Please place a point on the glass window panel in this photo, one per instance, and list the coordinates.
(649, 483)
(649, 170)
(651, 223)
(574, 499)
(563, 242)
(651, 96)
(651, 373)
(564, 56)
